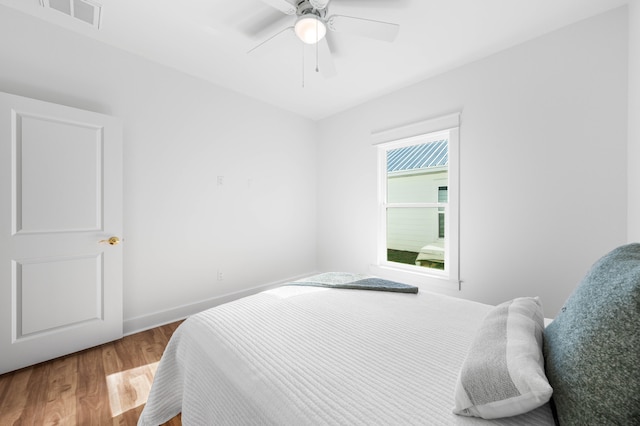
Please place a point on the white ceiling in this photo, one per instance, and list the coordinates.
(209, 39)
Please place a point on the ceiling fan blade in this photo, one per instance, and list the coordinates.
(265, 27)
(282, 5)
(385, 31)
(259, 26)
(319, 4)
(333, 46)
(325, 59)
(269, 39)
(375, 3)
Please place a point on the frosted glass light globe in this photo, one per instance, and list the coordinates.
(310, 29)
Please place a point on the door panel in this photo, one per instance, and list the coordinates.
(61, 192)
(69, 188)
(43, 286)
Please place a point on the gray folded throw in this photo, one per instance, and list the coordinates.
(377, 284)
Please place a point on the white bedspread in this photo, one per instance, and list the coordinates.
(315, 356)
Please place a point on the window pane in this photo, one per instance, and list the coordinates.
(413, 237)
(416, 173)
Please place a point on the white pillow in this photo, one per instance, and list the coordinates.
(503, 374)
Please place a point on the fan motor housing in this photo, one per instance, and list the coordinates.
(304, 8)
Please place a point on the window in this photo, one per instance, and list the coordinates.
(418, 230)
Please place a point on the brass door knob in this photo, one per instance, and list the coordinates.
(114, 241)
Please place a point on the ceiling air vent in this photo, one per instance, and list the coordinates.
(85, 10)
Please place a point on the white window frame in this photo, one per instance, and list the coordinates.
(446, 127)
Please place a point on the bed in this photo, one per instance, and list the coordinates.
(315, 355)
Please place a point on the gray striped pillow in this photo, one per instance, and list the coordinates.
(503, 374)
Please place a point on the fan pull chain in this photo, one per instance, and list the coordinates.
(302, 65)
(317, 48)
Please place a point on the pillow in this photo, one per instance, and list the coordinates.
(503, 374)
(592, 347)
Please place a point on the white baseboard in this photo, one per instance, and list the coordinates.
(156, 319)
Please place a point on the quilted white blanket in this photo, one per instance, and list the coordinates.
(317, 356)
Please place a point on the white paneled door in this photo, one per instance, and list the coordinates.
(60, 203)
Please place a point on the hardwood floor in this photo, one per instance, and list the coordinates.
(105, 385)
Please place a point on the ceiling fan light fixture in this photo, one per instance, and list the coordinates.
(310, 29)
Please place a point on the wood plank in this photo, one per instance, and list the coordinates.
(60, 406)
(110, 360)
(13, 402)
(33, 413)
(92, 395)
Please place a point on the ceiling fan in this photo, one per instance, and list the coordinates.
(313, 20)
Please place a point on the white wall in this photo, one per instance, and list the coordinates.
(543, 148)
(179, 135)
(633, 216)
